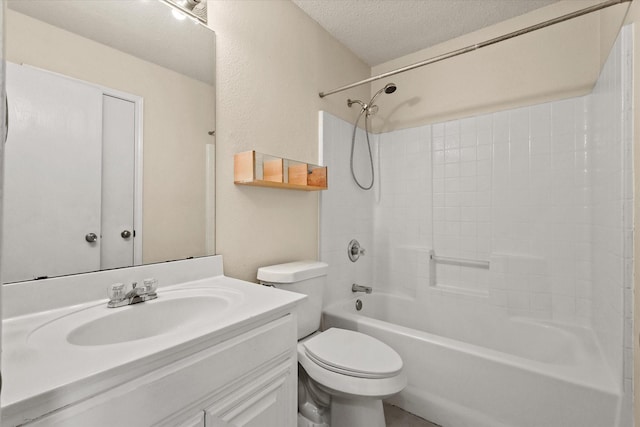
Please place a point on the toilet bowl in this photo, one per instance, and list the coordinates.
(356, 371)
(345, 374)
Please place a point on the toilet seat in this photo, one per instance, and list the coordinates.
(352, 353)
(329, 379)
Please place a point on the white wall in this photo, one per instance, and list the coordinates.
(557, 62)
(272, 60)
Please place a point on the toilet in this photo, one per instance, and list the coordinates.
(343, 375)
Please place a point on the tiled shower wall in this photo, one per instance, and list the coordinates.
(610, 163)
(403, 212)
(345, 210)
(510, 188)
(543, 193)
(461, 171)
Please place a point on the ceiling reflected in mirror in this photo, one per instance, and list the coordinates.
(189, 8)
(142, 28)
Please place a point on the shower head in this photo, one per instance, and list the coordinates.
(388, 88)
(370, 108)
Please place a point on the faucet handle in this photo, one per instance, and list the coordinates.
(116, 292)
(150, 285)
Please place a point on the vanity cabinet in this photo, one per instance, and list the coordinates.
(265, 402)
(248, 378)
(261, 402)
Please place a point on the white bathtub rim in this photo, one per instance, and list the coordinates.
(441, 411)
(591, 373)
(583, 332)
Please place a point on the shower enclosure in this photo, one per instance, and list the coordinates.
(518, 221)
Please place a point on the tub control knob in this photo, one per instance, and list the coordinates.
(354, 250)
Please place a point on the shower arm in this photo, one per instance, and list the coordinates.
(350, 102)
(480, 45)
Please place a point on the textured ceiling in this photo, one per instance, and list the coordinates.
(380, 30)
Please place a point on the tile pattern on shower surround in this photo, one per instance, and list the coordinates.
(403, 211)
(531, 219)
(461, 170)
(541, 237)
(508, 187)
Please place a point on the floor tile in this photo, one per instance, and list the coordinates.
(396, 417)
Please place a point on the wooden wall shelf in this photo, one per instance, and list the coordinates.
(261, 170)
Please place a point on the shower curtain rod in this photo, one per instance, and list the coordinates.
(480, 45)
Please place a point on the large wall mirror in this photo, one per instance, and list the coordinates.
(109, 160)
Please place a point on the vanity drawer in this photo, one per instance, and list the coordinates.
(194, 383)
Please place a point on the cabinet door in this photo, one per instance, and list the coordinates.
(270, 401)
(252, 366)
(195, 421)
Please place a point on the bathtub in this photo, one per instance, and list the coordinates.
(474, 367)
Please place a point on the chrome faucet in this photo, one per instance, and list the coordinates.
(360, 288)
(117, 297)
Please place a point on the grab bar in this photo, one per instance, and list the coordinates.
(460, 261)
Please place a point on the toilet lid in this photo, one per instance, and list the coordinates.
(353, 353)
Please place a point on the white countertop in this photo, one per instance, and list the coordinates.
(43, 372)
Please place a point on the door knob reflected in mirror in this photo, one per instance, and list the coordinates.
(91, 237)
(125, 234)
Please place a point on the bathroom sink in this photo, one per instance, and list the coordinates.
(177, 312)
(145, 320)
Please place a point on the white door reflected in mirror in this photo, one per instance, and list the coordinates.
(118, 177)
(66, 198)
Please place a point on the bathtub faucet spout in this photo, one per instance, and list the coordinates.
(360, 288)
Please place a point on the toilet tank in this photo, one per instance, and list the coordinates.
(303, 277)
